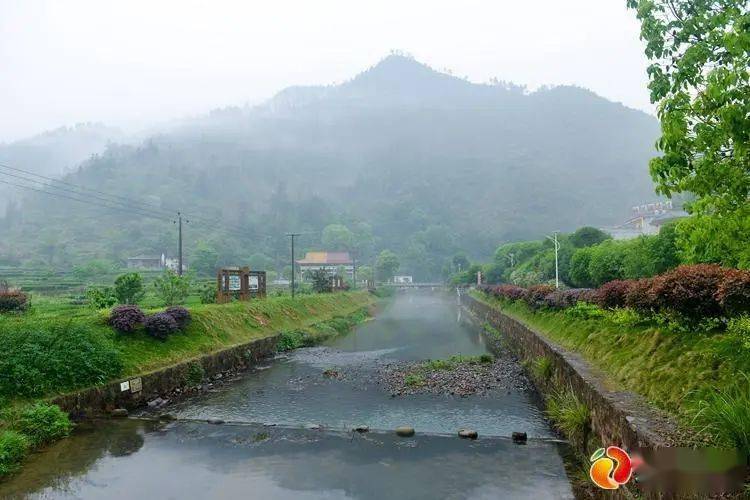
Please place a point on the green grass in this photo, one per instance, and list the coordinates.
(726, 415)
(569, 415)
(677, 371)
(213, 327)
(541, 368)
(13, 449)
(414, 379)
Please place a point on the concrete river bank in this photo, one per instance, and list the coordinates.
(287, 431)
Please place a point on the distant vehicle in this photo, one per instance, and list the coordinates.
(403, 280)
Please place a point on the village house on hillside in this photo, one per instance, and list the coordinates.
(331, 262)
(646, 219)
(153, 263)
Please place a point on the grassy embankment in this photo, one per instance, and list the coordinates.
(697, 376)
(53, 349)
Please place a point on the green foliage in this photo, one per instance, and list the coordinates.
(208, 294)
(49, 358)
(716, 239)
(386, 265)
(43, 423)
(571, 416)
(585, 311)
(101, 297)
(93, 268)
(579, 268)
(172, 288)
(700, 53)
(607, 262)
(630, 259)
(725, 415)
(588, 236)
(205, 259)
(13, 449)
(414, 379)
(541, 368)
(626, 317)
(129, 288)
(291, 339)
(195, 373)
(740, 329)
(321, 281)
(337, 237)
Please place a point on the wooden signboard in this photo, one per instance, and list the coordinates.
(239, 283)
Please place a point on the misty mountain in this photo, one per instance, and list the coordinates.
(408, 158)
(55, 152)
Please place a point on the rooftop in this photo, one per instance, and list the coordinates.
(328, 258)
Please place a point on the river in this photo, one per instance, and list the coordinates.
(287, 431)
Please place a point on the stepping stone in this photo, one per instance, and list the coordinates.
(519, 437)
(467, 434)
(405, 431)
(119, 413)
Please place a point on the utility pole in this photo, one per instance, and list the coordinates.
(179, 242)
(292, 236)
(553, 238)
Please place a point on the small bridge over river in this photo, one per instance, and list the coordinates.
(412, 285)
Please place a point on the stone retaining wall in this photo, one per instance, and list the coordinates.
(617, 417)
(136, 391)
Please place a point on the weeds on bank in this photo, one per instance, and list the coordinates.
(725, 414)
(23, 429)
(541, 368)
(570, 415)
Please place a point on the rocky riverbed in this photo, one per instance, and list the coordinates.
(455, 376)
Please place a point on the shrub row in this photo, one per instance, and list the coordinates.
(125, 319)
(539, 295)
(13, 301)
(693, 291)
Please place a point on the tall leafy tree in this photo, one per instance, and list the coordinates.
(386, 265)
(700, 54)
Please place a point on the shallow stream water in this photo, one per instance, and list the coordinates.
(269, 449)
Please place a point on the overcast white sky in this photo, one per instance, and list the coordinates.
(132, 63)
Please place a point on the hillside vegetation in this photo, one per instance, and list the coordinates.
(406, 158)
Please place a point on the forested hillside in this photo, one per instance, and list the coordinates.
(419, 162)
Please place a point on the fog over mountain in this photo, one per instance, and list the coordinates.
(410, 159)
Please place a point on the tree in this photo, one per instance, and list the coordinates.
(386, 265)
(172, 288)
(337, 237)
(459, 263)
(129, 288)
(700, 53)
(587, 236)
(205, 258)
(259, 261)
(321, 281)
(364, 273)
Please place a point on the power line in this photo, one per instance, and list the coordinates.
(105, 200)
(129, 203)
(82, 188)
(87, 202)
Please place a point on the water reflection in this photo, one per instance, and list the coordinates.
(195, 460)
